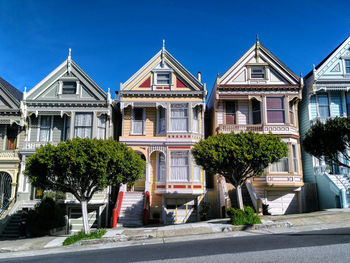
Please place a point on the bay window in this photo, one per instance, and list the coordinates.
(161, 167)
(323, 105)
(101, 127)
(179, 117)
(45, 128)
(281, 166)
(161, 120)
(230, 107)
(195, 120)
(179, 166)
(275, 109)
(83, 125)
(138, 121)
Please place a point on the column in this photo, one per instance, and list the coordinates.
(263, 110)
(147, 179)
(71, 128)
(286, 110)
(94, 124)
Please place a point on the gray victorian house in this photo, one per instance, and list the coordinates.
(66, 104)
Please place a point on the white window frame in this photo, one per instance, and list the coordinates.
(185, 107)
(195, 122)
(263, 71)
(132, 132)
(50, 127)
(91, 127)
(163, 73)
(283, 109)
(295, 158)
(172, 179)
(159, 109)
(158, 168)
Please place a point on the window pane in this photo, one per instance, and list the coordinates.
(161, 167)
(230, 112)
(295, 159)
(275, 116)
(179, 166)
(257, 72)
(274, 103)
(347, 65)
(280, 166)
(45, 127)
(69, 88)
(163, 78)
(161, 123)
(256, 112)
(178, 117)
(101, 127)
(138, 114)
(195, 120)
(323, 105)
(83, 125)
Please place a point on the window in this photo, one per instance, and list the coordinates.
(101, 127)
(280, 166)
(83, 125)
(257, 72)
(256, 111)
(323, 105)
(230, 112)
(137, 121)
(66, 132)
(347, 66)
(348, 104)
(45, 128)
(179, 117)
(295, 159)
(179, 166)
(12, 131)
(195, 120)
(163, 78)
(291, 112)
(275, 109)
(161, 167)
(196, 173)
(161, 120)
(69, 88)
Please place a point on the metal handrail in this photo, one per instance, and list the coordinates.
(5, 207)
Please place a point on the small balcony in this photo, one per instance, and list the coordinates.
(260, 128)
(31, 146)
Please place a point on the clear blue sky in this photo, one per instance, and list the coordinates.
(111, 40)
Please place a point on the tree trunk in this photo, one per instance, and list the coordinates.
(85, 217)
(239, 196)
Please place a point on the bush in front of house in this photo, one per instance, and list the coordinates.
(243, 217)
(82, 236)
(47, 215)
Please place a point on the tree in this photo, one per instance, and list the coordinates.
(239, 156)
(329, 140)
(82, 167)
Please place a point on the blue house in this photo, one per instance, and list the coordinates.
(326, 94)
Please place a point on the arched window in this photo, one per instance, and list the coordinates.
(161, 167)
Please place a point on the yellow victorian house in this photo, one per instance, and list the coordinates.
(162, 111)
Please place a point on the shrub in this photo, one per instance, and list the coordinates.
(243, 217)
(46, 215)
(82, 236)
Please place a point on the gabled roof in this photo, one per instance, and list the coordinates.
(163, 52)
(327, 57)
(11, 91)
(269, 54)
(63, 68)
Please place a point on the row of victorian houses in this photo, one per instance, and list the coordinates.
(160, 112)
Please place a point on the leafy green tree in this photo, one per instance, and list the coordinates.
(83, 167)
(329, 140)
(239, 156)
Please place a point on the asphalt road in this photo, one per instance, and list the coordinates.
(315, 246)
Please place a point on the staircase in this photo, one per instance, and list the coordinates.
(12, 229)
(343, 182)
(131, 209)
(246, 197)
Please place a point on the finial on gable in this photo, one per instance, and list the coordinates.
(257, 38)
(163, 44)
(257, 49)
(25, 93)
(69, 54)
(163, 49)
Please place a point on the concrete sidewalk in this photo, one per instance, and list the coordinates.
(332, 218)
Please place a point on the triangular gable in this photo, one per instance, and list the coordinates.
(9, 96)
(50, 88)
(259, 56)
(162, 63)
(333, 66)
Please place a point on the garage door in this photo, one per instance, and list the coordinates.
(180, 211)
(282, 202)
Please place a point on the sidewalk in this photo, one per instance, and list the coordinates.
(333, 218)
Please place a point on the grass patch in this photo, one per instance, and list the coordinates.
(82, 236)
(243, 217)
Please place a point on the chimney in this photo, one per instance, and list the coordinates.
(199, 76)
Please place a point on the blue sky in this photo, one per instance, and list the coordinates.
(111, 40)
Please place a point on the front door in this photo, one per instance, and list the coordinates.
(5, 188)
(12, 137)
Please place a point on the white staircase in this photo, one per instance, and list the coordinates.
(131, 209)
(343, 182)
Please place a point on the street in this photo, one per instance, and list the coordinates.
(331, 245)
